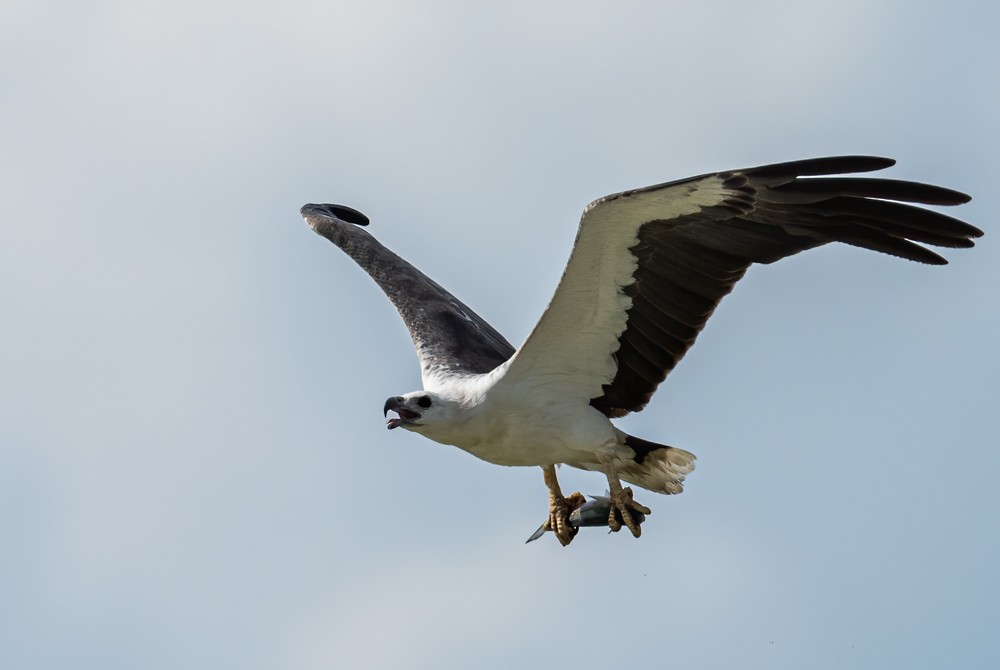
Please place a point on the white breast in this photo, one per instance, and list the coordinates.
(523, 425)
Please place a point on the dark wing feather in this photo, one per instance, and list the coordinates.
(687, 264)
(449, 337)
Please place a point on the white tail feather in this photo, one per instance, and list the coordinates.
(661, 471)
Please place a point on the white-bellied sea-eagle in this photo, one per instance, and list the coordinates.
(647, 270)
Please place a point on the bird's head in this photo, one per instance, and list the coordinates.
(417, 410)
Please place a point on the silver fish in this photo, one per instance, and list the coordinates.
(594, 512)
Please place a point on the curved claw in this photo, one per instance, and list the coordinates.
(626, 511)
(559, 512)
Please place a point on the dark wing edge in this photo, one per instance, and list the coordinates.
(686, 265)
(449, 337)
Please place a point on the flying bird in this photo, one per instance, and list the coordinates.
(647, 269)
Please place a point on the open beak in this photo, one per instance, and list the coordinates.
(405, 415)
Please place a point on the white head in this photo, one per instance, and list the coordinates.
(422, 412)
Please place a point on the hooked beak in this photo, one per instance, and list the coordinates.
(406, 416)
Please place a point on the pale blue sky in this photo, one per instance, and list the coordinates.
(192, 450)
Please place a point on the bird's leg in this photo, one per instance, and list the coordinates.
(622, 504)
(560, 508)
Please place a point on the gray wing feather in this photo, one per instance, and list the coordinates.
(449, 337)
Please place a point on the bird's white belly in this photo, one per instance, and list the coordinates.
(538, 435)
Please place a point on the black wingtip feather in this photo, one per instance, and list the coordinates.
(814, 190)
(342, 212)
(876, 240)
(820, 166)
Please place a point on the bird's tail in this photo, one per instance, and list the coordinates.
(656, 467)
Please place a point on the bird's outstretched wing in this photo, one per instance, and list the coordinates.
(650, 265)
(449, 337)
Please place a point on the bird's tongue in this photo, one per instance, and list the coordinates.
(404, 416)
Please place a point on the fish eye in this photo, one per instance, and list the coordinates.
(424, 401)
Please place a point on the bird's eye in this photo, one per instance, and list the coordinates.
(424, 401)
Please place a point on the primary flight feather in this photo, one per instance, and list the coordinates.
(648, 268)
